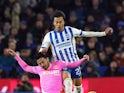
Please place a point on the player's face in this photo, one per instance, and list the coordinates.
(24, 78)
(43, 62)
(59, 23)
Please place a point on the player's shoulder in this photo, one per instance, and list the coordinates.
(68, 27)
(52, 31)
(37, 68)
(48, 33)
(56, 62)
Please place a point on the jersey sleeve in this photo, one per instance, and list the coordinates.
(45, 43)
(78, 33)
(26, 67)
(93, 34)
(74, 64)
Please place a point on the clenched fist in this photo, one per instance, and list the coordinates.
(108, 31)
(86, 57)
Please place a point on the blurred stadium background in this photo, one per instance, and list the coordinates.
(23, 24)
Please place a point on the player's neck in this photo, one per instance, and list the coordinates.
(59, 30)
(49, 66)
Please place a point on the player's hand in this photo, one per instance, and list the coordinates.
(11, 52)
(86, 57)
(108, 31)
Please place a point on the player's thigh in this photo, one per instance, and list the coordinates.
(77, 81)
(65, 74)
(77, 76)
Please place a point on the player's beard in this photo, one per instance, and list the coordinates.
(46, 66)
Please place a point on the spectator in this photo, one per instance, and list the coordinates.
(40, 17)
(41, 5)
(80, 10)
(93, 45)
(80, 46)
(109, 52)
(26, 56)
(7, 40)
(38, 31)
(29, 15)
(6, 28)
(14, 32)
(30, 44)
(91, 71)
(103, 59)
(6, 59)
(96, 10)
(23, 30)
(113, 70)
(12, 46)
(12, 12)
(122, 59)
(25, 3)
(2, 36)
(2, 72)
(120, 28)
(94, 58)
(104, 25)
(91, 22)
(49, 12)
(118, 15)
(24, 85)
(14, 73)
(73, 21)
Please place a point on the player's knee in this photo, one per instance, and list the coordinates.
(78, 81)
(78, 84)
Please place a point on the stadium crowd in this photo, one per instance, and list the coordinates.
(23, 24)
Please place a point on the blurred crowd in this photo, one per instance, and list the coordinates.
(23, 24)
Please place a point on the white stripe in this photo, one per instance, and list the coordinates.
(69, 55)
(73, 46)
(54, 42)
(60, 40)
(53, 51)
(74, 43)
(64, 55)
(58, 37)
(64, 36)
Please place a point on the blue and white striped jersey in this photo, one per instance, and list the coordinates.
(62, 43)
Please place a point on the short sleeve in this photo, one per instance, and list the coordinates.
(76, 32)
(46, 42)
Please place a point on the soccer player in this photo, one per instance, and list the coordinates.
(62, 42)
(50, 73)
